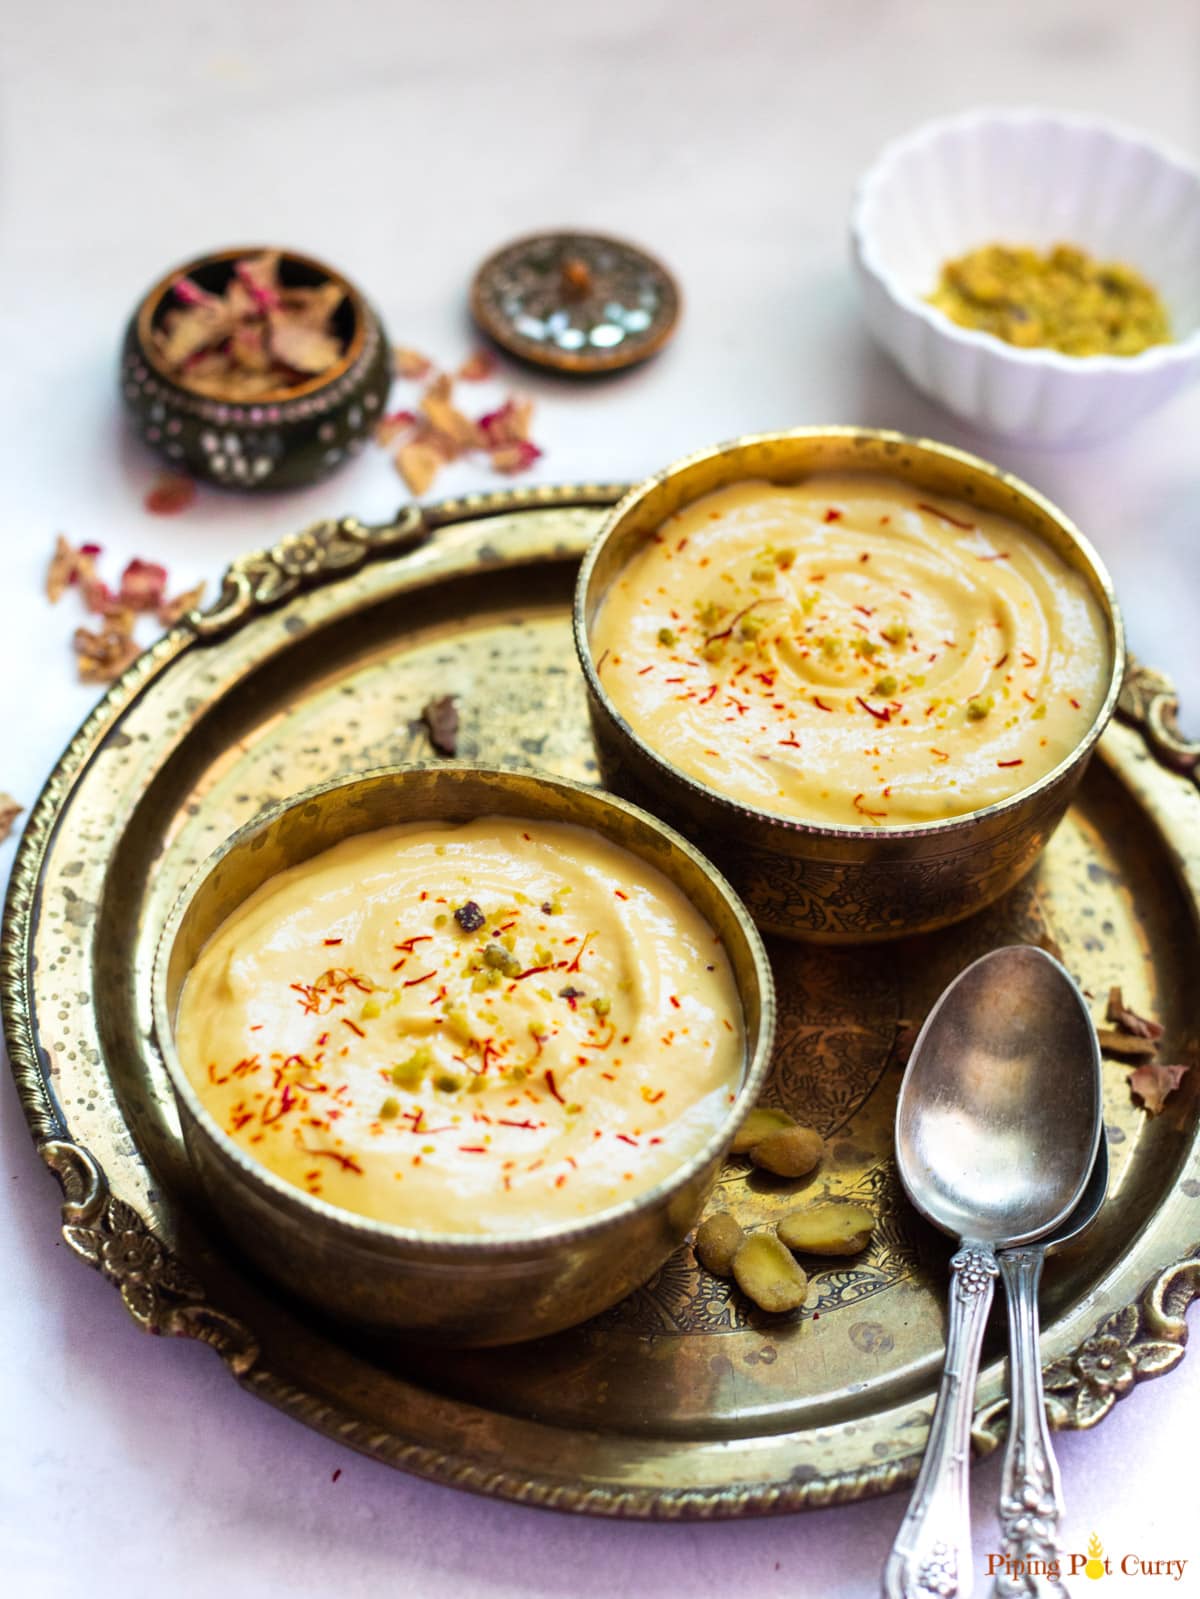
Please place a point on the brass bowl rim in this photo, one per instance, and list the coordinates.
(152, 299)
(974, 464)
(467, 1246)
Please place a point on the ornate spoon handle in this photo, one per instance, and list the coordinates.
(931, 1557)
(1030, 1490)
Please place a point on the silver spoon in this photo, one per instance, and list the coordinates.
(1031, 1503)
(997, 1129)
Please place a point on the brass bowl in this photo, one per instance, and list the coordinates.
(825, 882)
(281, 440)
(451, 1288)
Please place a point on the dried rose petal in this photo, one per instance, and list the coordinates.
(9, 811)
(259, 275)
(441, 718)
(515, 457)
(170, 494)
(304, 348)
(190, 331)
(143, 585)
(1153, 1084)
(391, 426)
(418, 464)
(189, 293)
(410, 364)
(1114, 1042)
(259, 336)
(170, 611)
(1128, 1020)
(63, 569)
(452, 423)
(248, 348)
(106, 654)
(477, 367)
(69, 566)
(314, 307)
(509, 424)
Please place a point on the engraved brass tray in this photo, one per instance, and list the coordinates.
(316, 660)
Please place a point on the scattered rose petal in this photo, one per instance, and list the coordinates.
(170, 611)
(440, 432)
(1154, 1084)
(170, 494)
(410, 364)
(419, 463)
(515, 457)
(9, 811)
(1113, 1042)
(391, 426)
(1128, 1020)
(143, 586)
(106, 654)
(509, 424)
(441, 718)
(451, 423)
(477, 367)
(63, 569)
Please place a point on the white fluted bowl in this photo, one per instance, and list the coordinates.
(1034, 178)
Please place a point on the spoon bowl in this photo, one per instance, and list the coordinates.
(998, 1120)
(997, 1132)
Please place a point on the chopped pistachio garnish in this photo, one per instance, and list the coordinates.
(831, 646)
(501, 959)
(447, 1083)
(866, 647)
(709, 613)
(574, 1110)
(408, 1073)
(439, 921)
(808, 601)
(785, 559)
(602, 1005)
(714, 651)
(667, 636)
(370, 1009)
(477, 1083)
(389, 1109)
(518, 1073)
(895, 632)
(979, 707)
(762, 574)
(885, 684)
(751, 626)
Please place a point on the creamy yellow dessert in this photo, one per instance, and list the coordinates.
(852, 650)
(487, 1028)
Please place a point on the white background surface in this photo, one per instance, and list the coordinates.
(403, 142)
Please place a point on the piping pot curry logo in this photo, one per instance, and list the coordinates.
(1096, 1563)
